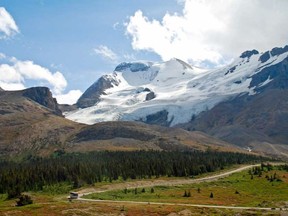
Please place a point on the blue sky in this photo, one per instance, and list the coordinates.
(68, 44)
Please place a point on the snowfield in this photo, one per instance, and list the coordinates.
(175, 86)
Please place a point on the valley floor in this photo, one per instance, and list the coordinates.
(264, 195)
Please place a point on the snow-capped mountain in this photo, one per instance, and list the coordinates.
(174, 92)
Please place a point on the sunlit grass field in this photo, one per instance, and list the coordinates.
(236, 190)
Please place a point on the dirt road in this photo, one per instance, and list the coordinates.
(183, 204)
(153, 183)
(157, 182)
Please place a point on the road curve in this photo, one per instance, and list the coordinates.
(154, 183)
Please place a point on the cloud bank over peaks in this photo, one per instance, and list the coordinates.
(16, 73)
(211, 31)
(8, 26)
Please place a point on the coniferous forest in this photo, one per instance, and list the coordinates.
(88, 168)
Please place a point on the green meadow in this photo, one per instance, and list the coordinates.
(268, 189)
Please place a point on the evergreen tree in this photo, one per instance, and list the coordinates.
(14, 192)
(88, 168)
(76, 183)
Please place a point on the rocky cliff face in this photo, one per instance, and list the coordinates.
(92, 95)
(276, 77)
(30, 123)
(43, 96)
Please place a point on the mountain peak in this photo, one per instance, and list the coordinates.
(92, 95)
(249, 53)
(279, 50)
(133, 66)
(179, 61)
(274, 52)
(177, 91)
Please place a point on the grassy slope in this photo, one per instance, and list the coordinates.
(252, 192)
(53, 200)
(28, 128)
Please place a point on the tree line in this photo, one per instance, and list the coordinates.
(88, 168)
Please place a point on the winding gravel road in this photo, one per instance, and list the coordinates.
(152, 183)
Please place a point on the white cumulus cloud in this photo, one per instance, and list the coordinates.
(70, 98)
(8, 26)
(19, 71)
(9, 74)
(106, 53)
(15, 75)
(11, 86)
(211, 31)
(29, 70)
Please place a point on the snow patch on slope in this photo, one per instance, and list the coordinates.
(180, 89)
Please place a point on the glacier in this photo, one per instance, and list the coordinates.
(177, 90)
